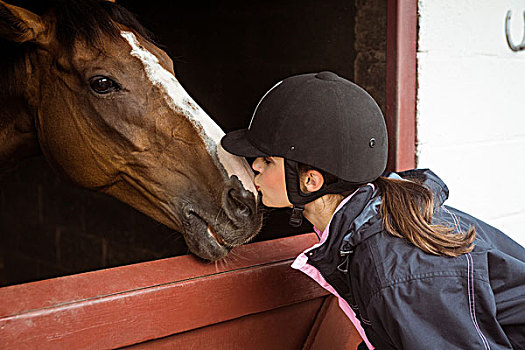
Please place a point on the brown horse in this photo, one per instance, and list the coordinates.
(81, 82)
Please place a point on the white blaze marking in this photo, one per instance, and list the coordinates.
(178, 99)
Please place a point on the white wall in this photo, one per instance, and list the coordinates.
(471, 107)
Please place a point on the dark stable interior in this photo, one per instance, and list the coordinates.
(227, 54)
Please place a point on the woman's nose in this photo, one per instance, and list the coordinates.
(256, 165)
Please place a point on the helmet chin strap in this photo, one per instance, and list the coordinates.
(296, 219)
(299, 199)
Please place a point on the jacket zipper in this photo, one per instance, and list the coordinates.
(343, 267)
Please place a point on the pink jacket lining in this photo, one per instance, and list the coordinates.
(301, 264)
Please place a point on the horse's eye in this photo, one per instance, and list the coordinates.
(103, 85)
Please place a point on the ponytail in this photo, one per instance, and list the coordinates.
(407, 208)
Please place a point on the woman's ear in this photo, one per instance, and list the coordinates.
(312, 181)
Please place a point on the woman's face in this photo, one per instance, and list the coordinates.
(270, 181)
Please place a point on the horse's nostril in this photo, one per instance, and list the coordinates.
(188, 213)
(238, 204)
(243, 211)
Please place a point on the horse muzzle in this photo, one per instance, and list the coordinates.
(211, 233)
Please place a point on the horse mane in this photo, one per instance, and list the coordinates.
(86, 20)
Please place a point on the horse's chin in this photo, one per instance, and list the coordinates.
(202, 240)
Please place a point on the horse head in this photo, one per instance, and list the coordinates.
(84, 85)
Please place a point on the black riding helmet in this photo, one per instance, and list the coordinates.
(321, 120)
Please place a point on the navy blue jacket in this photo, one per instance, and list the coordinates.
(408, 299)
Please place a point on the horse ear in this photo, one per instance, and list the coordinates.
(20, 25)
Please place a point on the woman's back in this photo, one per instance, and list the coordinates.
(409, 299)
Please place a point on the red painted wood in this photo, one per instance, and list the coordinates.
(332, 329)
(401, 83)
(132, 304)
(283, 328)
(47, 293)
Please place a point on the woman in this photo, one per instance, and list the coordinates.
(410, 272)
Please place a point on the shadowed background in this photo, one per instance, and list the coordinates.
(227, 54)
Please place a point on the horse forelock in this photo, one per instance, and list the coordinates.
(87, 20)
(90, 20)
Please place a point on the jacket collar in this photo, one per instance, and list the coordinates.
(426, 176)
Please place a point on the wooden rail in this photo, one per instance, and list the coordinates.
(180, 298)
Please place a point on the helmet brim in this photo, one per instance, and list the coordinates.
(236, 142)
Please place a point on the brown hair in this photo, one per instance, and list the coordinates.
(407, 208)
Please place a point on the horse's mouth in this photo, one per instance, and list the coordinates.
(213, 234)
(202, 239)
